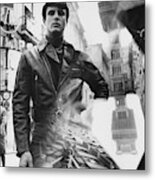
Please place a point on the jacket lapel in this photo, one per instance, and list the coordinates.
(48, 76)
(68, 59)
(50, 51)
(40, 65)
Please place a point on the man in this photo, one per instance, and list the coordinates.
(51, 75)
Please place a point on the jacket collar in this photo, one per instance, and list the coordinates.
(44, 45)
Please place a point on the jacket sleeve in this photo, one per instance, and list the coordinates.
(21, 100)
(97, 84)
(88, 72)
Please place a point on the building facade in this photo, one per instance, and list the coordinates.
(120, 72)
(107, 12)
(99, 59)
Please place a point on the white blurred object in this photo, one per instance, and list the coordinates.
(102, 119)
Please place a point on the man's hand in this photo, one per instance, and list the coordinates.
(26, 160)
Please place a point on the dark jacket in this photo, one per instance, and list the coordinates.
(34, 81)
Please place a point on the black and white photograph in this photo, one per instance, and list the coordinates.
(72, 85)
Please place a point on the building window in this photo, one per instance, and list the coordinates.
(120, 102)
(115, 54)
(122, 115)
(116, 70)
(118, 86)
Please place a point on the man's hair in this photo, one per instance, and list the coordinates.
(61, 5)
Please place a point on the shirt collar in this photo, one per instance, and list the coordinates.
(44, 42)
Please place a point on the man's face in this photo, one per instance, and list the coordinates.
(55, 21)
